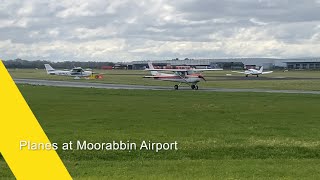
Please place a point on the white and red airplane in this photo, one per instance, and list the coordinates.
(187, 76)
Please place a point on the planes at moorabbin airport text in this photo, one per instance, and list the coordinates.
(254, 72)
(188, 76)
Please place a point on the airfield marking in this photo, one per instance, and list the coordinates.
(141, 87)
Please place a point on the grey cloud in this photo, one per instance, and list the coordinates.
(265, 10)
(152, 29)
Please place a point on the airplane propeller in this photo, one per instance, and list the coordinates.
(200, 76)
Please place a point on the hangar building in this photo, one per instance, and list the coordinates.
(230, 63)
(303, 64)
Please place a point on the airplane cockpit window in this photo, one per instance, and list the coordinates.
(189, 72)
(181, 73)
(77, 70)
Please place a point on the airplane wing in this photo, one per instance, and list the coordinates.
(172, 70)
(183, 70)
(267, 72)
(149, 76)
(197, 70)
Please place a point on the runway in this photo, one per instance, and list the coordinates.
(238, 77)
(141, 87)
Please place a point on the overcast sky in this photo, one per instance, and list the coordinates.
(124, 30)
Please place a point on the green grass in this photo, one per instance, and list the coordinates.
(216, 79)
(5, 172)
(219, 135)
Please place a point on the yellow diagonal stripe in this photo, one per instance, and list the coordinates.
(17, 123)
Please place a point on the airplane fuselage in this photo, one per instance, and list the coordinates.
(253, 72)
(71, 73)
(192, 78)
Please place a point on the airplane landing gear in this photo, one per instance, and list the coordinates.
(246, 75)
(257, 75)
(193, 86)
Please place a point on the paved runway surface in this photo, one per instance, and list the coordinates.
(124, 86)
(239, 77)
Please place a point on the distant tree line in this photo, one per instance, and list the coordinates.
(19, 63)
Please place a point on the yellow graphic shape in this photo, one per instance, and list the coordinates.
(17, 123)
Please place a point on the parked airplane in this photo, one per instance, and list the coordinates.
(187, 76)
(74, 72)
(254, 72)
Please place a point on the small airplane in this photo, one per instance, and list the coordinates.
(187, 76)
(254, 72)
(76, 72)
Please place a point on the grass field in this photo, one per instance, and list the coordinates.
(219, 135)
(214, 79)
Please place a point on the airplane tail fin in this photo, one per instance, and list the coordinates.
(48, 68)
(261, 69)
(151, 67)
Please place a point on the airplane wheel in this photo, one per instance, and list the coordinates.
(197, 87)
(193, 86)
(257, 75)
(176, 87)
(246, 75)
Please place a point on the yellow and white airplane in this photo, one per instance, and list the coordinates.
(187, 76)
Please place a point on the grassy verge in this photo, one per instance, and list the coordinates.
(220, 135)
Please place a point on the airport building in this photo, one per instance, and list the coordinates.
(303, 64)
(231, 63)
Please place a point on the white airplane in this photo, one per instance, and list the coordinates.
(254, 72)
(187, 76)
(74, 72)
